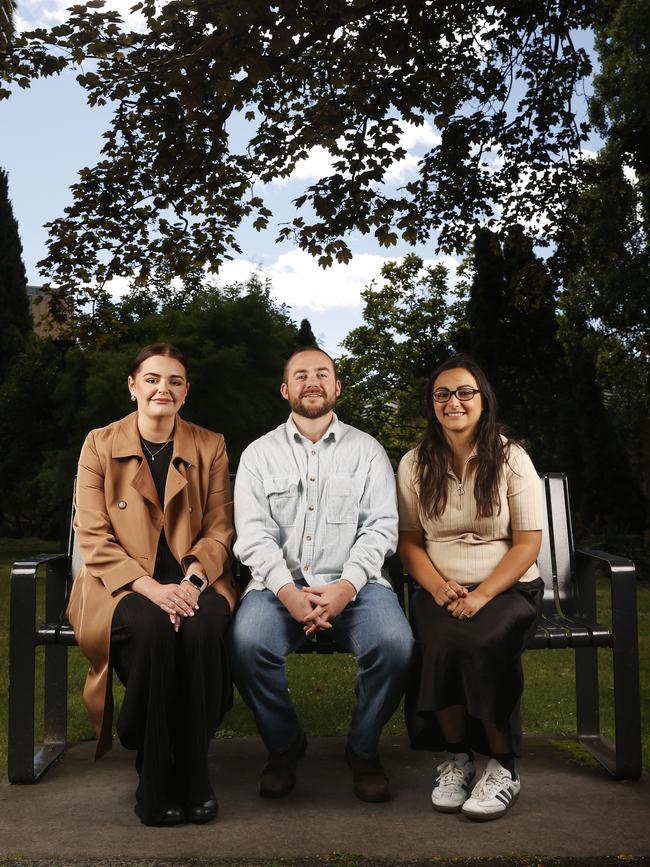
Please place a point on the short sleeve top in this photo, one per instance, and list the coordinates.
(461, 545)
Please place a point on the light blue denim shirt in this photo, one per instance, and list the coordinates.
(315, 511)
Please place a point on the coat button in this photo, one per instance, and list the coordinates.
(191, 509)
(121, 504)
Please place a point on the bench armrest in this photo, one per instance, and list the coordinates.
(23, 588)
(623, 582)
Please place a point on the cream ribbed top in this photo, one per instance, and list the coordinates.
(462, 546)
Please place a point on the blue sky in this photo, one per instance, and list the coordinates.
(47, 133)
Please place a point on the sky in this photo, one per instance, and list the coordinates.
(48, 132)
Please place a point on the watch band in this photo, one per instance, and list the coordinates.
(195, 581)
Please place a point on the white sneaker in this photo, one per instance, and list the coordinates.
(453, 782)
(493, 795)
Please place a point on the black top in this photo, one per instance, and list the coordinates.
(167, 569)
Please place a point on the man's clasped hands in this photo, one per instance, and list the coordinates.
(316, 607)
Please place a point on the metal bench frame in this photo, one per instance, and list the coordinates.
(569, 620)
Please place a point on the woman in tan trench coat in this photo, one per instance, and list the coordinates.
(153, 599)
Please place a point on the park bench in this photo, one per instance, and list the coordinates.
(569, 620)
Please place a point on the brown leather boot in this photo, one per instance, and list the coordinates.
(279, 773)
(369, 780)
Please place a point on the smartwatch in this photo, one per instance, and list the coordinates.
(199, 583)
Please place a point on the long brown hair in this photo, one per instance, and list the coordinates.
(434, 454)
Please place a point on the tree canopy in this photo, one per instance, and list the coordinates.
(235, 338)
(215, 98)
(405, 335)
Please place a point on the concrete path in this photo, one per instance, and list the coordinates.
(82, 812)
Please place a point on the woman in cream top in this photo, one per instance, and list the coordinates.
(470, 531)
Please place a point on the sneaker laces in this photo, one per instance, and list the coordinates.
(450, 775)
(490, 783)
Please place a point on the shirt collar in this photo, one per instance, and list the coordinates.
(333, 432)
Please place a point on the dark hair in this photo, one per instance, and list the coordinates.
(302, 349)
(434, 454)
(165, 349)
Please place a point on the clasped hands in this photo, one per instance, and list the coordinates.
(458, 600)
(178, 601)
(315, 607)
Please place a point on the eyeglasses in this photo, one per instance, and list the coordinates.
(464, 393)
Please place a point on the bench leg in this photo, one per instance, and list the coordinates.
(622, 758)
(25, 763)
(627, 693)
(22, 664)
(55, 723)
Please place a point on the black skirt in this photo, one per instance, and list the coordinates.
(475, 663)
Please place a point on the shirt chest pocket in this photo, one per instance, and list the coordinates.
(283, 495)
(343, 495)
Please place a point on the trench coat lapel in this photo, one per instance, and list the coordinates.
(184, 457)
(127, 445)
(144, 484)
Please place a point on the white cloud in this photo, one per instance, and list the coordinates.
(412, 135)
(118, 286)
(317, 165)
(299, 281)
(413, 139)
(48, 13)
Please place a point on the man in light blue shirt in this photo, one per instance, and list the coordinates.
(316, 516)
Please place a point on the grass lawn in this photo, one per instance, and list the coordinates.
(322, 686)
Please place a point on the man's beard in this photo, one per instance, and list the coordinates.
(315, 411)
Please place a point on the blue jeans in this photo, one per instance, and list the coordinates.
(373, 627)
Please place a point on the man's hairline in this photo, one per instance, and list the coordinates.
(330, 366)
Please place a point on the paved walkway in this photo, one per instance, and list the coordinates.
(82, 811)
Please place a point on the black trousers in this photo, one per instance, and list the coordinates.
(178, 688)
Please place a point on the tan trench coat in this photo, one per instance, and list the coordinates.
(118, 520)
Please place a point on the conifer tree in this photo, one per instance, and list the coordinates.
(545, 383)
(511, 328)
(305, 336)
(15, 320)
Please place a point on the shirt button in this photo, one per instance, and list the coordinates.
(306, 568)
(308, 538)
(313, 451)
(312, 478)
(121, 504)
(191, 509)
(311, 508)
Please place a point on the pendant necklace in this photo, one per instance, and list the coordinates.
(153, 454)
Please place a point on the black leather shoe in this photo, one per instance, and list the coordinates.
(166, 817)
(369, 780)
(279, 773)
(199, 814)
